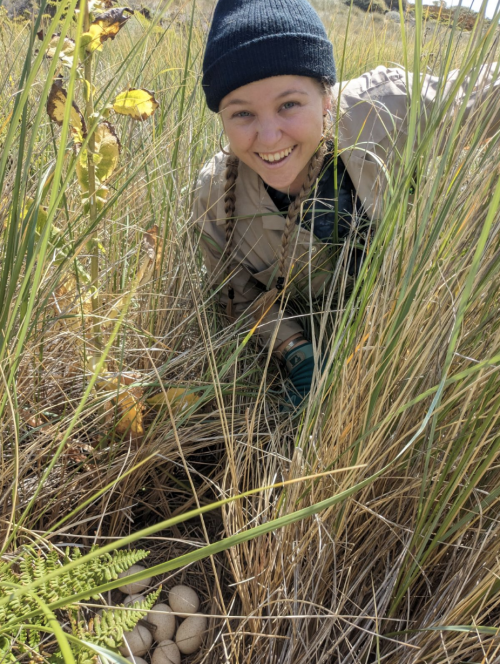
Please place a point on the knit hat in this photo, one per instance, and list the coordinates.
(254, 39)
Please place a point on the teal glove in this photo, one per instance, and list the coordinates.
(300, 365)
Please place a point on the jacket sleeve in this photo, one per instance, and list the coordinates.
(374, 117)
(477, 95)
(206, 213)
(376, 105)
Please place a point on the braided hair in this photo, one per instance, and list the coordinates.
(315, 164)
(229, 209)
(262, 303)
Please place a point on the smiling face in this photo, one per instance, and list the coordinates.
(275, 125)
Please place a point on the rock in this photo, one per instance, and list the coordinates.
(393, 16)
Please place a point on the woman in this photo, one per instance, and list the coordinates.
(272, 220)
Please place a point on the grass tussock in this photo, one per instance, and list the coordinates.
(376, 539)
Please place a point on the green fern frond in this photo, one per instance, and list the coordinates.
(6, 654)
(6, 573)
(33, 565)
(110, 627)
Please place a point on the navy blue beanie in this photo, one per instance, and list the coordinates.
(254, 39)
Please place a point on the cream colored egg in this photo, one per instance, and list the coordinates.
(134, 588)
(136, 660)
(139, 641)
(166, 652)
(190, 634)
(161, 615)
(183, 600)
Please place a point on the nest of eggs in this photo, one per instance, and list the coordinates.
(160, 633)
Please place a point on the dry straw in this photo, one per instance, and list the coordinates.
(402, 569)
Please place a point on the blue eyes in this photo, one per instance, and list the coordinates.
(286, 107)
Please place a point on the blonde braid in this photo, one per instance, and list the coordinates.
(315, 165)
(263, 303)
(231, 175)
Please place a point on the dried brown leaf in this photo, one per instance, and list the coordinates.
(56, 105)
(107, 25)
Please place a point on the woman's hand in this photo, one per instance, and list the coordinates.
(300, 364)
(298, 355)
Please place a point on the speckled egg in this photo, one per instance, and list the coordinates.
(139, 641)
(190, 634)
(161, 615)
(134, 588)
(183, 600)
(166, 652)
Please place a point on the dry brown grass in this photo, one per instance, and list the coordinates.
(385, 573)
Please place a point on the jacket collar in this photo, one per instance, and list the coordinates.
(254, 201)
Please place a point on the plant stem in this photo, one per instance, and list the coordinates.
(94, 249)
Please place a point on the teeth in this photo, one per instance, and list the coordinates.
(276, 156)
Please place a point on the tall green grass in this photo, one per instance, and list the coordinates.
(389, 556)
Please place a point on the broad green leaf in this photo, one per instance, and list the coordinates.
(138, 103)
(56, 103)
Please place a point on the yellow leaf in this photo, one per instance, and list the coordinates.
(69, 302)
(56, 104)
(42, 219)
(99, 5)
(6, 121)
(22, 211)
(178, 398)
(148, 263)
(108, 147)
(101, 196)
(90, 42)
(105, 157)
(82, 171)
(106, 26)
(139, 103)
(126, 401)
(67, 48)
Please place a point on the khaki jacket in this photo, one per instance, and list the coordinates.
(373, 129)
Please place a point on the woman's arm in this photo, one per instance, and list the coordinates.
(477, 92)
